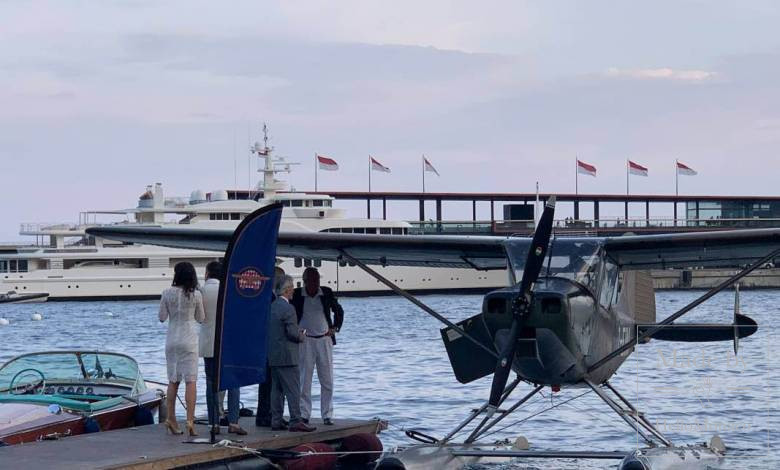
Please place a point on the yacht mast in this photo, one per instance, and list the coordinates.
(269, 185)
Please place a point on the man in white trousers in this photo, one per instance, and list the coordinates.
(314, 306)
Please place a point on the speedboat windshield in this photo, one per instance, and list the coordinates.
(72, 366)
(575, 259)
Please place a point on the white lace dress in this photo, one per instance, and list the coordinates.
(183, 313)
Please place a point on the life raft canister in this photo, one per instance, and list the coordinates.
(315, 461)
(360, 443)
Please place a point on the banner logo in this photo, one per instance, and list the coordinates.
(250, 282)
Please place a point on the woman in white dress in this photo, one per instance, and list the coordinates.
(182, 306)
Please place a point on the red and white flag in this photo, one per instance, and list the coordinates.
(683, 169)
(429, 167)
(375, 165)
(585, 168)
(327, 163)
(636, 169)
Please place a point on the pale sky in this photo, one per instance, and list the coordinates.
(99, 99)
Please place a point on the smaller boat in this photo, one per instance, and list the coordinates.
(14, 297)
(48, 395)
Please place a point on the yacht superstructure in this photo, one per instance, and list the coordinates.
(67, 264)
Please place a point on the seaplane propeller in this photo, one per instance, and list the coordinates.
(523, 301)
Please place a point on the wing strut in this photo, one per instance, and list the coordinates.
(651, 331)
(416, 301)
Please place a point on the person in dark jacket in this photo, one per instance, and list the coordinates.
(320, 314)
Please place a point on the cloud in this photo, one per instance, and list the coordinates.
(664, 73)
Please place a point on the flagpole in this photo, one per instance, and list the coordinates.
(576, 176)
(676, 179)
(316, 170)
(369, 173)
(627, 192)
(627, 172)
(423, 171)
(676, 190)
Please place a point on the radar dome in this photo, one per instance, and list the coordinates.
(219, 195)
(197, 196)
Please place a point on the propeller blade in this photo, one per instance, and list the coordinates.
(533, 266)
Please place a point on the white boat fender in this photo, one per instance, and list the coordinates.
(4, 321)
(36, 317)
(109, 314)
(717, 444)
(521, 443)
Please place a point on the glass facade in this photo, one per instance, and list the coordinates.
(703, 213)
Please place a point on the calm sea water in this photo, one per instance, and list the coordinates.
(390, 363)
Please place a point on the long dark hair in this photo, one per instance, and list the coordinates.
(184, 276)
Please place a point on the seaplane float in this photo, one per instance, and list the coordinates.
(574, 310)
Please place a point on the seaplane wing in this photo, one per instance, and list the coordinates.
(475, 252)
(721, 249)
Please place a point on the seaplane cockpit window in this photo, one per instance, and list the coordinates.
(576, 260)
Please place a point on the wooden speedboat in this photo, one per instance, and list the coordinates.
(48, 395)
(15, 297)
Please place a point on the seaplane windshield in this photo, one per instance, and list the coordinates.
(578, 260)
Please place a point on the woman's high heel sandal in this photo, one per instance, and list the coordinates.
(191, 428)
(173, 427)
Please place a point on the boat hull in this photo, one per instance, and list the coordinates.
(23, 422)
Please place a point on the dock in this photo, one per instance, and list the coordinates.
(152, 448)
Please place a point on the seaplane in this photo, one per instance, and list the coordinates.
(574, 309)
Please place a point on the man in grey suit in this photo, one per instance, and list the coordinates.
(283, 339)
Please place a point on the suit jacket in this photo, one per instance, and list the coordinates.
(283, 337)
(329, 304)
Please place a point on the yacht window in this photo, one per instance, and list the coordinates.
(297, 203)
(346, 230)
(298, 262)
(397, 231)
(212, 216)
(360, 230)
(307, 262)
(370, 230)
(317, 263)
(328, 203)
(406, 231)
(235, 216)
(12, 266)
(286, 203)
(384, 230)
(3, 266)
(317, 203)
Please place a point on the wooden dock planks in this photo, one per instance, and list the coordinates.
(151, 448)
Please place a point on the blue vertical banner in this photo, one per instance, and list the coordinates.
(244, 303)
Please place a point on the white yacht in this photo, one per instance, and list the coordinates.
(69, 265)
